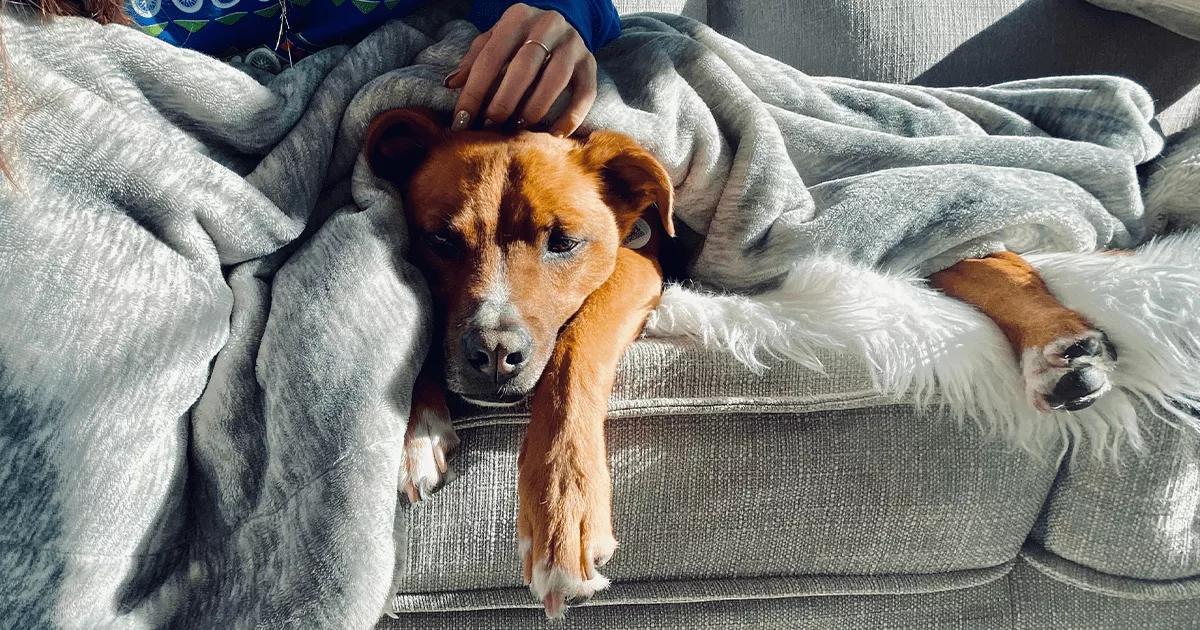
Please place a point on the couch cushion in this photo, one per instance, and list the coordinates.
(719, 474)
(950, 43)
(1181, 16)
(1024, 599)
(695, 9)
(1138, 520)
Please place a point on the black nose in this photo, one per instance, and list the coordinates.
(498, 354)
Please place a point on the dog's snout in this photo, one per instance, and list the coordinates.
(498, 354)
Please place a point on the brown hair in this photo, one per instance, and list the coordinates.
(102, 11)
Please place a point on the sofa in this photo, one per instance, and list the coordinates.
(792, 499)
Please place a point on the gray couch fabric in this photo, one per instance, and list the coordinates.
(730, 485)
(1140, 520)
(1022, 598)
(952, 43)
(808, 476)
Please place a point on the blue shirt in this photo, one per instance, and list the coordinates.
(226, 27)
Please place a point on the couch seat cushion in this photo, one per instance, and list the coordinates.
(720, 474)
(1137, 519)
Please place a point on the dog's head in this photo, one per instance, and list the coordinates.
(513, 232)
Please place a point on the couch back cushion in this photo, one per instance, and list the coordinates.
(695, 9)
(950, 42)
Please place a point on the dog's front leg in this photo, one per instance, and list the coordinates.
(1066, 361)
(429, 437)
(564, 520)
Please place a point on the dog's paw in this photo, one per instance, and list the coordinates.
(565, 532)
(428, 441)
(558, 586)
(1070, 373)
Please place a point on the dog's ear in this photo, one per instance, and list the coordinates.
(398, 140)
(633, 180)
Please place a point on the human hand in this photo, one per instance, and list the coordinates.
(534, 55)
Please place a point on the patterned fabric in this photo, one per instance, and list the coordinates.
(298, 27)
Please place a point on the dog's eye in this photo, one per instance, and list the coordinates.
(444, 243)
(560, 243)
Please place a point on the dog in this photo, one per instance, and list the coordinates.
(543, 258)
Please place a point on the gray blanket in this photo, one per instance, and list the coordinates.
(209, 331)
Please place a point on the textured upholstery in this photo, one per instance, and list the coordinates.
(818, 482)
(1140, 520)
(1023, 599)
(1181, 16)
(731, 486)
(696, 9)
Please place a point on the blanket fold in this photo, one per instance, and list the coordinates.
(209, 330)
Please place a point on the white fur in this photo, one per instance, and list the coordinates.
(941, 352)
(432, 437)
(553, 581)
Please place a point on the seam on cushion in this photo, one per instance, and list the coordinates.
(1086, 578)
(846, 401)
(518, 598)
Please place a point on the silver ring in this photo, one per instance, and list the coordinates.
(544, 47)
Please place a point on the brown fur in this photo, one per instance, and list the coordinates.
(1010, 292)
(497, 196)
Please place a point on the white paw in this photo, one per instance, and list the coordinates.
(556, 588)
(1069, 373)
(429, 439)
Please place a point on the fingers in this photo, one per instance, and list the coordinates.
(506, 65)
(583, 95)
(458, 77)
(554, 80)
(548, 30)
(481, 75)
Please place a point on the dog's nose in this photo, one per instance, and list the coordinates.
(498, 354)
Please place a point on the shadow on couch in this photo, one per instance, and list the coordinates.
(1049, 37)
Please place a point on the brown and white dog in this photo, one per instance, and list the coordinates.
(524, 241)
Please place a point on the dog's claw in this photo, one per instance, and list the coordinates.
(554, 605)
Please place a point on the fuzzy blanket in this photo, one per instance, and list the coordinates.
(209, 331)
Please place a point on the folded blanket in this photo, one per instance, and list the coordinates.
(209, 331)
(1181, 16)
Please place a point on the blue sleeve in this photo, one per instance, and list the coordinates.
(596, 20)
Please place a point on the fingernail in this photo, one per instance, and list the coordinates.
(488, 122)
(446, 81)
(461, 119)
